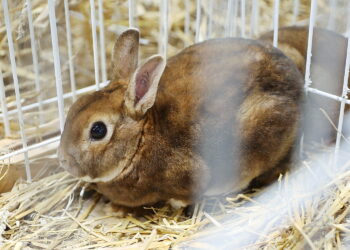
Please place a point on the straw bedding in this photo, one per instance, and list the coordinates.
(309, 208)
(59, 211)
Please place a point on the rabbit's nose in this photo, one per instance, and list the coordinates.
(73, 170)
(60, 154)
(63, 163)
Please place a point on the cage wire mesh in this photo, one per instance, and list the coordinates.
(51, 52)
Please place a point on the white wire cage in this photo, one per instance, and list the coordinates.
(37, 87)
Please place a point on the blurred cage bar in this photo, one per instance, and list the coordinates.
(53, 51)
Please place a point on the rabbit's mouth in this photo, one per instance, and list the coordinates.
(67, 164)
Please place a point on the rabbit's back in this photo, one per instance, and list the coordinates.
(209, 82)
(327, 74)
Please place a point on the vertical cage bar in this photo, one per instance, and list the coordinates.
(94, 43)
(233, 21)
(348, 21)
(254, 21)
(342, 104)
(56, 60)
(16, 85)
(331, 20)
(228, 24)
(163, 46)
(309, 43)
(102, 41)
(131, 5)
(198, 20)
(275, 22)
(35, 60)
(187, 20)
(70, 53)
(165, 33)
(307, 78)
(4, 106)
(242, 18)
(251, 18)
(160, 37)
(296, 4)
(210, 19)
(235, 14)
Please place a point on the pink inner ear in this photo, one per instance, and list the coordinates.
(142, 85)
(144, 78)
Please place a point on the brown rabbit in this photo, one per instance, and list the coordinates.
(327, 74)
(218, 115)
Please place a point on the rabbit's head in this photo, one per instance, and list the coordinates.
(103, 129)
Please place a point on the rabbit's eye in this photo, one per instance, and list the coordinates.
(98, 131)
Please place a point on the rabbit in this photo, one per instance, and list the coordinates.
(210, 120)
(327, 74)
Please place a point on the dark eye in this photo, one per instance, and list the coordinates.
(98, 131)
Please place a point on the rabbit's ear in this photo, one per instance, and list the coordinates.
(142, 89)
(125, 55)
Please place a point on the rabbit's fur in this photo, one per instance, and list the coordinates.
(327, 74)
(218, 115)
